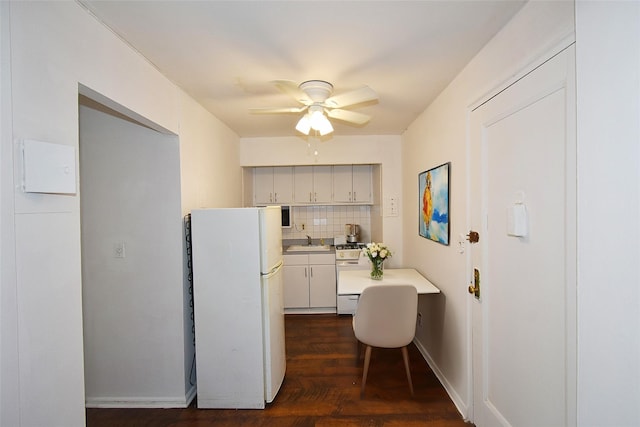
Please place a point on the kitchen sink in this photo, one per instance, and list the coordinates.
(307, 248)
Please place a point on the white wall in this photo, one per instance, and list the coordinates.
(439, 135)
(209, 158)
(608, 131)
(376, 149)
(8, 309)
(55, 46)
(132, 306)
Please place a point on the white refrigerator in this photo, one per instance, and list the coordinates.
(238, 306)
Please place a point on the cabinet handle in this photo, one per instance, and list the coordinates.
(350, 196)
(354, 196)
(305, 272)
(310, 197)
(315, 197)
(275, 197)
(311, 268)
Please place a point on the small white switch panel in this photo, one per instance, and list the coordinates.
(48, 168)
(517, 221)
(391, 207)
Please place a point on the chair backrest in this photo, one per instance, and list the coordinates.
(386, 315)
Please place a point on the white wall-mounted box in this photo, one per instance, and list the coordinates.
(48, 167)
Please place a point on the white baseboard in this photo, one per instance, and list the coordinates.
(315, 310)
(142, 402)
(455, 397)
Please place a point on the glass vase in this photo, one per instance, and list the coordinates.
(376, 269)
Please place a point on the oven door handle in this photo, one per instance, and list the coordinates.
(346, 263)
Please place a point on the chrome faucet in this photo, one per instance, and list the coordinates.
(308, 240)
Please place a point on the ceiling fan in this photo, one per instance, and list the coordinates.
(315, 97)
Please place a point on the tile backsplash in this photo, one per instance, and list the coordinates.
(326, 222)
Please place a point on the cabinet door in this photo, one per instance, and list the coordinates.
(342, 183)
(303, 184)
(262, 186)
(322, 285)
(361, 184)
(296, 286)
(283, 185)
(322, 184)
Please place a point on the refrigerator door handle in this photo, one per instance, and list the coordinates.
(273, 271)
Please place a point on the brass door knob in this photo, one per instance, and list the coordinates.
(472, 289)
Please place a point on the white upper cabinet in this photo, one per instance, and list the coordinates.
(273, 185)
(262, 186)
(302, 184)
(283, 185)
(342, 188)
(362, 191)
(322, 184)
(306, 185)
(352, 184)
(312, 184)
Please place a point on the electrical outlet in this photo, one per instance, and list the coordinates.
(118, 250)
(420, 320)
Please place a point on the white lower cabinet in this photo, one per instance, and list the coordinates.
(310, 282)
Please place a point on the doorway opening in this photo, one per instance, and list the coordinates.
(138, 344)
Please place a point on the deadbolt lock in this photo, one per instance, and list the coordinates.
(475, 287)
(473, 236)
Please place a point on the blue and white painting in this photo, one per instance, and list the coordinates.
(434, 204)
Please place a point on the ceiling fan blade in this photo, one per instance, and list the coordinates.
(291, 88)
(277, 110)
(348, 116)
(353, 97)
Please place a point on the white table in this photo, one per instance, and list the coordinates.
(353, 282)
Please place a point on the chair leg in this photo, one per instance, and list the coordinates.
(405, 356)
(367, 358)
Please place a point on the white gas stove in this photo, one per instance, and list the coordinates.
(349, 251)
(349, 256)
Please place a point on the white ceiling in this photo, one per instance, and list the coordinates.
(226, 53)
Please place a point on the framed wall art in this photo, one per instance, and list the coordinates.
(433, 218)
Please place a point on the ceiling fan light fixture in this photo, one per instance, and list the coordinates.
(304, 125)
(315, 97)
(319, 121)
(316, 119)
(325, 127)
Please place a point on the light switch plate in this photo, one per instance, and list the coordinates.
(391, 206)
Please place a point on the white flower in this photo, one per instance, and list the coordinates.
(376, 251)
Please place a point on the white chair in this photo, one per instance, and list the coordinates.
(386, 317)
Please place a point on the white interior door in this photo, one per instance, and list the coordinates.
(523, 158)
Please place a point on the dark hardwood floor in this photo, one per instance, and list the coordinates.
(321, 388)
